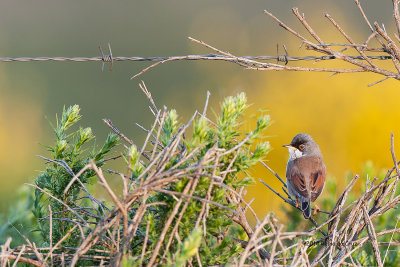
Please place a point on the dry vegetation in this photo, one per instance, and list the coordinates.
(182, 201)
(184, 195)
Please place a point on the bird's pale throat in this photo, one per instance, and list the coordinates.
(294, 153)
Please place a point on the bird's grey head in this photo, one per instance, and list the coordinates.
(303, 145)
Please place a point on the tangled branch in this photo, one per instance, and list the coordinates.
(362, 62)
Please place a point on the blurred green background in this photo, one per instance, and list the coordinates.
(350, 121)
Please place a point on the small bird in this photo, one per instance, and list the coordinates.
(305, 172)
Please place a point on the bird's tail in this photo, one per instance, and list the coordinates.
(306, 208)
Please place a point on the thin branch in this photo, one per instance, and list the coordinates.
(396, 15)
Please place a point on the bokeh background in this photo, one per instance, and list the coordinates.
(350, 121)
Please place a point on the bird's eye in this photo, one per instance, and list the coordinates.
(301, 147)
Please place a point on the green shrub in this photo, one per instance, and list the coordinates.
(237, 152)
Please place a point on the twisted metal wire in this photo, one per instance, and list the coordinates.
(107, 58)
(225, 57)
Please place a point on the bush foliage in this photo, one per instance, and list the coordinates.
(182, 201)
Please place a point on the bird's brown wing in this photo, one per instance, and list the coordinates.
(296, 179)
(317, 182)
(308, 184)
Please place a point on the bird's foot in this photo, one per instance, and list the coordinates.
(316, 209)
(297, 203)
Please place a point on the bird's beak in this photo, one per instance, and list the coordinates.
(290, 148)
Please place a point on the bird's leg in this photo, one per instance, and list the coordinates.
(297, 202)
(316, 208)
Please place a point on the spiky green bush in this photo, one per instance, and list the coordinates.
(225, 134)
(71, 153)
(68, 156)
(214, 240)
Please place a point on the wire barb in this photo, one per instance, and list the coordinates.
(106, 58)
(282, 58)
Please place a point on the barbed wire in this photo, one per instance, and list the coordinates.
(110, 58)
(281, 58)
(104, 58)
(188, 57)
(363, 63)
